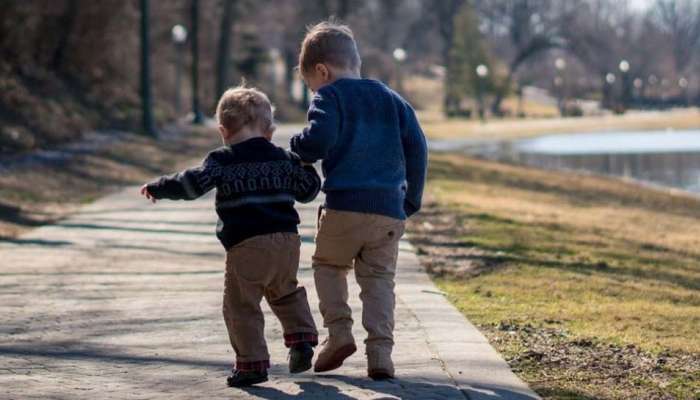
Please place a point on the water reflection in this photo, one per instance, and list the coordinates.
(663, 158)
(679, 170)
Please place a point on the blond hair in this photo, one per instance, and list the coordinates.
(329, 42)
(242, 106)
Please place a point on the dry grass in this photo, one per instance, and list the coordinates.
(437, 126)
(594, 258)
(45, 192)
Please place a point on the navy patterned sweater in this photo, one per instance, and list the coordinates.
(256, 185)
(373, 149)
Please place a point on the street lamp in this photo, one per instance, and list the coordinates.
(399, 56)
(482, 71)
(624, 68)
(638, 84)
(560, 65)
(683, 84)
(610, 78)
(179, 37)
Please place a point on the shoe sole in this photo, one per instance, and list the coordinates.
(338, 357)
(380, 375)
(248, 382)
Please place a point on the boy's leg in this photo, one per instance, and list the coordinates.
(289, 303)
(246, 274)
(375, 269)
(338, 241)
(286, 298)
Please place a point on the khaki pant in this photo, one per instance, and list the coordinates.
(264, 266)
(370, 243)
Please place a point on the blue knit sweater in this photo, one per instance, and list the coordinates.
(373, 149)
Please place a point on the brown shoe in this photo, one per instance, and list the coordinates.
(379, 364)
(335, 350)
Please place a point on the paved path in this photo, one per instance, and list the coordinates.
(123, 300)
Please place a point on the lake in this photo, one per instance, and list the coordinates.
(666, 158)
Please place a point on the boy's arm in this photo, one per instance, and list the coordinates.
(324, 122)
(189, 184)
(415, 152)
(307, 183)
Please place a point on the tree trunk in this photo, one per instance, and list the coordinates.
(67, 22)
(194, 16)
(343, 9)
(290, 62)
(148, 125)
(223, 56)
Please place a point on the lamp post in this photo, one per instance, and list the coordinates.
(482, 71)
(179, 36)
(198, 118)
(638, 85)
(683, 84)
(607, 89)
(399, 56)
(560, 65)
(624, 69)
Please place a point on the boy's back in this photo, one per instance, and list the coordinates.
(372, 147)
(256, 185)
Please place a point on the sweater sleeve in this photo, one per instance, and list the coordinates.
(189, 184)
(415, 152)
(308, 184)
(314, 142)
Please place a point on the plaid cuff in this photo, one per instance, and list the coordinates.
(261, 366)
(301, 337)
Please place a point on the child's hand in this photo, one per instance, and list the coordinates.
(144, 192)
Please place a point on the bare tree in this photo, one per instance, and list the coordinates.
(529, 28)
(444, 13)
(680, 19)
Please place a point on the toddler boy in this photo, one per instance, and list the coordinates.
(256, 185)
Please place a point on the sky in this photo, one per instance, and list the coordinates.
(641, 5)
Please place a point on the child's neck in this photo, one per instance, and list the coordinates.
(243, 135)
(345, 74)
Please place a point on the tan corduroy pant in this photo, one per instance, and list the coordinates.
(370, 244)
(264, 266)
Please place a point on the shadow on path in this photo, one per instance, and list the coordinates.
(105, 355)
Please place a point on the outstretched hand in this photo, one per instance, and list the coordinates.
(144, 192)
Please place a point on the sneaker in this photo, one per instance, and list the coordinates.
(335, 351)
(246, 378)
(300, 356)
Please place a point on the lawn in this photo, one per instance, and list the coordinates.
(589, 286)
